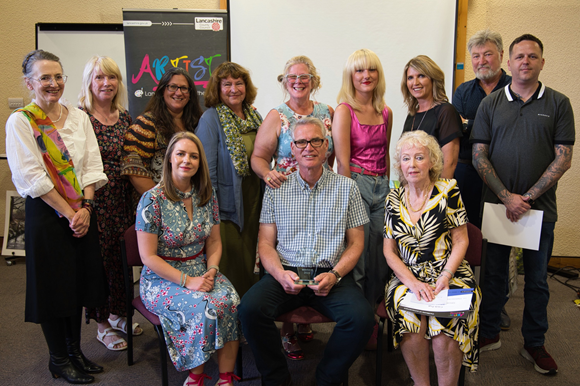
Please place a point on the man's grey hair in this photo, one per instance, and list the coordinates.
(308, 121)
(484, 36)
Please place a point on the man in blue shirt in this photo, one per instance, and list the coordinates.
(314, 220)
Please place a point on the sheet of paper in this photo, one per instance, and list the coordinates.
(525, 233)
(457, 305)
(441, 298)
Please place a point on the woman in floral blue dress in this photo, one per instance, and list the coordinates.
(179, 242)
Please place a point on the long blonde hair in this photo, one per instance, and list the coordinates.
(359, 60)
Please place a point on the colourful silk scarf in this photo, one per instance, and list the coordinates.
(55, 155)
(233, 126)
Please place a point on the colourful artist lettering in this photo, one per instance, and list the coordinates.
(175, 61)
(145, 67)
(200, 72)
(159, 65)
(209, 60)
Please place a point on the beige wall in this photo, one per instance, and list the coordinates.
(555, 23)
(18, 38)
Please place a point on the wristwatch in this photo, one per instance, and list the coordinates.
(338, 277)
(530, 199)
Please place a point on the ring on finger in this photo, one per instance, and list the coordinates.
(268, 179)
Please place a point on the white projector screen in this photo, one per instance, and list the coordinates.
(266, 33)
(75, 44)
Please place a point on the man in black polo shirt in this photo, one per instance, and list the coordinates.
(522, 139)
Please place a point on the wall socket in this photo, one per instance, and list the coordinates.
(15, 103)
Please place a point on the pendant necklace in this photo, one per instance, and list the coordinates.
(424, 115)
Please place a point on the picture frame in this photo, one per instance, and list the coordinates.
(13, 243)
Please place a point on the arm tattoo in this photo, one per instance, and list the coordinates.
(554, 172)
(480, 153)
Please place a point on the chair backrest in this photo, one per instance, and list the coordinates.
(473, 254)
(477, 250)
(131, 247)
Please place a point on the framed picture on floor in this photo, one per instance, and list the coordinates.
(14, 225)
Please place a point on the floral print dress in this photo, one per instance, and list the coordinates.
(195, 324)
(425, 247)
(114, 213)
(285, 161)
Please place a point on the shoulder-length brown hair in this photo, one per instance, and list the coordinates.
(426, 66)
(212, 92)
(163, 119)
(200, 180)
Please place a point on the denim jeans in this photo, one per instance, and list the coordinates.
(372, 272)
(345, 304)
(536, 291)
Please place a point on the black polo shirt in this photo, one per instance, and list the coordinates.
(521, 138)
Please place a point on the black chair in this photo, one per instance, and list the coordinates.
(131, 258)
(475, 256)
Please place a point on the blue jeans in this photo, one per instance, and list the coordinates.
(371, 272)
(470, 185)
(345, 304)
(536, 291)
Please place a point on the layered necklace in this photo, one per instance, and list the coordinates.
(425, 196)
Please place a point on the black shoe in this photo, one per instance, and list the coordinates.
(505, 320)
(81, 362)
(63, 368)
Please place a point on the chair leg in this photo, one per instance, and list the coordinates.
(163, 355)
(461, 381)
(390, 347)
(129, 338)
(239, 366)
(379, 353)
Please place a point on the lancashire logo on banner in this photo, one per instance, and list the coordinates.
(209, 23)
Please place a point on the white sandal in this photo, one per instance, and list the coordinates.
(111, 346)
(120, 324)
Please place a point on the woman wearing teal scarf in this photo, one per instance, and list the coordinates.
(228, 131)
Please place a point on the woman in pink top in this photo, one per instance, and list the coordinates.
(361, 132)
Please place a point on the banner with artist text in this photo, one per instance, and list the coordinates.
(157, 40)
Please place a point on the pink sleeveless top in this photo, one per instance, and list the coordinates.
(368, 143)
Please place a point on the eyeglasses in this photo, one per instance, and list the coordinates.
(315, 142)
(46, 80)
(174, 88)
(303, 78)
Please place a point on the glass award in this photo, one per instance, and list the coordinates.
(306, 275)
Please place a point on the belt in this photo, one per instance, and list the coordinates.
(464, 161)
(183, 258)
(360, 170)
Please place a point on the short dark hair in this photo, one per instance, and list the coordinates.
(529, 37)
(212, 92)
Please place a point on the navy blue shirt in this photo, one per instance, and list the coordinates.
(466, 101)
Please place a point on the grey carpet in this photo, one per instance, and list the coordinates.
(23, 352)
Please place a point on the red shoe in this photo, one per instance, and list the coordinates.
(291, 347)
(543, 362)
(227, 379)
(195, 379)
(305, 332)
(486, 344)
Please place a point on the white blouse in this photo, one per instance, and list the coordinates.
(29, 172)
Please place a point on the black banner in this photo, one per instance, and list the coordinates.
(156, 40)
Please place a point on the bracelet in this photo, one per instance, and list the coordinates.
(445, 276)
(451, 274)
(183, 279)
(214, 267)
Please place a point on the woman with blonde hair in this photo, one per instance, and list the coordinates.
(423, 88)
(299, 81)
(425, 241)
(362, 135)
(103, 97)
